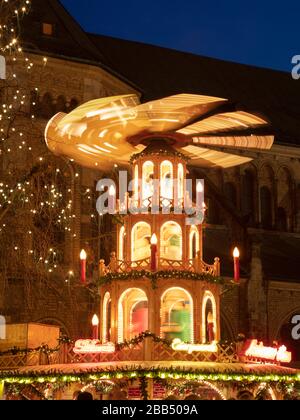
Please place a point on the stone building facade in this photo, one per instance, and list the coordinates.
(255, 206)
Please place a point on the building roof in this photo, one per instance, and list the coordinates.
(184, 367)
(68, 39)
(161, 72)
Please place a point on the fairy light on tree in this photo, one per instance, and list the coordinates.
(35, 188)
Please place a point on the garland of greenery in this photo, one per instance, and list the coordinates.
(138, 372)
(144, 388)
(159, 153)
(155, 276)
(44, 349)
(141, 338)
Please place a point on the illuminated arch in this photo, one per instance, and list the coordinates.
(194, 246)
(177, 315)
(140, 241)
(268, 389)
(106, 318)
(209, 310)
(166, 178)
(171, 241)
(121, 243)
(148, 179)
(199, 388)
(132, 314)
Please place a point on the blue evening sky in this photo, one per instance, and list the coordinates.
(264, 33)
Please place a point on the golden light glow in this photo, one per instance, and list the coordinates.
(154, 240)
(128, 301)
(236, 253)
(95, 321)
(208, 296)
(200, 188)
(171, 298)
(106, 130)
(178, 345)
(83, 255)
(140, 241)
(112, 190)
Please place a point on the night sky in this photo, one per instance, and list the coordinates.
(264, 33)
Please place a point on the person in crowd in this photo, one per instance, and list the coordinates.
(85, 396)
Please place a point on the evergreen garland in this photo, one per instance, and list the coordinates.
(159, 153)
(160, 275)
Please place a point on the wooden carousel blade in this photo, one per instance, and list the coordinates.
(224, 122)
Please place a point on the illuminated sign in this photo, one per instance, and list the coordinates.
(257, 350)
(2, 67)
(93, 346)
(179, 345)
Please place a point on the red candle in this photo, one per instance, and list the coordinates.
(153, 262)
(95, 323)
(83, 258)
(236, 257)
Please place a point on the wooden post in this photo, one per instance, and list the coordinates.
(199, 262)
(102, 268)
(217, 267)
(113, 262)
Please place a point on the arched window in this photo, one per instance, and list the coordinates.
(282, 223)
(106, 320)
(121, 243)
(132, 314)
(177, 315)
(247, 204)
(209, 318)
(140, 241)
(73, 104)
(213, 211)
(230, 193)
(285, 199)
(194, 247)
(47, 107)
(180, 182)
(166, 177)
(171, 241)
(61, 104)
(148, 180)
(266, 212)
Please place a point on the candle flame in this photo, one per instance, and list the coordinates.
(83, 255)
(200, 187)
(236, 253)
(95, 321)
(154, 239)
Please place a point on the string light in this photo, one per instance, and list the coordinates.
(22, 198)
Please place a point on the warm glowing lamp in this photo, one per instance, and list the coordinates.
(83, 258)
(210, 327)
(236, 258)
(95, 323)
(154, 242)
(112, 199)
